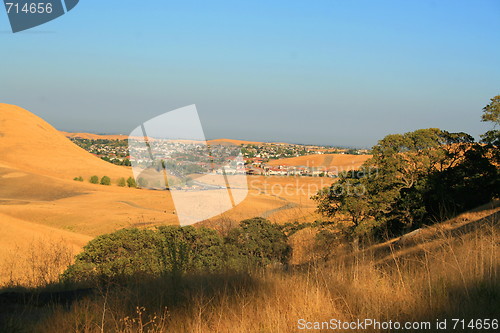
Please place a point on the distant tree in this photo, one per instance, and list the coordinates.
(122, 182)
(78, 179)
(94, 180)
(105, 180)
(491, 137)
(131, 182)
(491, 113)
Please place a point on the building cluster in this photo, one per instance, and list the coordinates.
(190, 157)
(257, 158)
(109, 150)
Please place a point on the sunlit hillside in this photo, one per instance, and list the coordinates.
(334, 162)
(30, 144)
(38, 193)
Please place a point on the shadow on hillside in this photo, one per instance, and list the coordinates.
(416, 243)
(472, 302)
(22, 310)
(424, 239)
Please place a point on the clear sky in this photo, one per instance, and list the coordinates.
(305, 71)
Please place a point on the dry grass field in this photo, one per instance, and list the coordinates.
(30, 144)
(335, 162)
(232, 142)
(292, 193)
(37, 167)
(27, 250)
(452, 272)
(40, 200)
(278, 198)
(92, 136)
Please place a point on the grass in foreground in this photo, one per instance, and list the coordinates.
(457, 277)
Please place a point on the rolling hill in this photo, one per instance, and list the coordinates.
(40, 200)
(91, 136)
(29, 143)
(232, 142)
(340, 162)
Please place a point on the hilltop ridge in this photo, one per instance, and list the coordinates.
(29, 143)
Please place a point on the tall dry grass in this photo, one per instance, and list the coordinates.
(456, 275)
(36, 264)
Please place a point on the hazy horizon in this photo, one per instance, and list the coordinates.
(216, 138)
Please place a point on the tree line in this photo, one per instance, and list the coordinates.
(105, 180)
(414, 179)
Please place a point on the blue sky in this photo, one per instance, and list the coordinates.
(308, 71)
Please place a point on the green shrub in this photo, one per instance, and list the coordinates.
(131, 182)
(168, 249)
(94, 180)
(121, 182)
(177, 251)
(78, 179)
(105, 180)
(190, 249)
(123, 253)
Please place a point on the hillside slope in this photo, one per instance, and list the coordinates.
(24, 242)
(29, 143)
(92, 136)
(340, 162)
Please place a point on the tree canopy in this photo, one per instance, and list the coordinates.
(413, 178)
(491, 113)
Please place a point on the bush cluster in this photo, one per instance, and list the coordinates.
(105, 180)
(179, 250)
